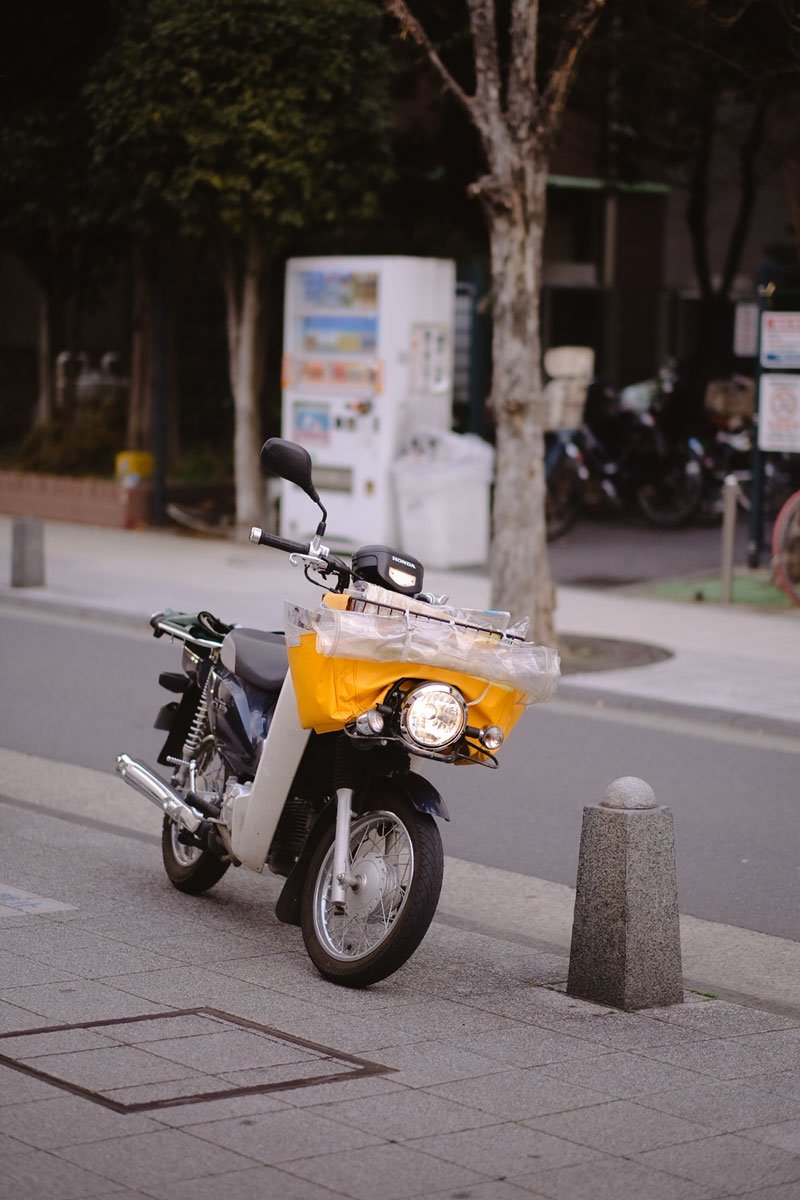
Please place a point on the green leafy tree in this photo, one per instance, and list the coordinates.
(243, 122)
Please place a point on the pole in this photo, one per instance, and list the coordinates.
(730, 490)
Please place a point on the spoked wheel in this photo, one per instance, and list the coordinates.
(786, 548)
(396, 853)
(563, 498)
(777, 487)
(674, 494)
(189, 868)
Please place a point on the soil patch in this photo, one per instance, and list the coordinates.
(583, 653)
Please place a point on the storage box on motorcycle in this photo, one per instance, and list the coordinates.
(344, 659)
(368, 357)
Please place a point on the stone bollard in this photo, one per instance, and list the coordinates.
(626, 948)
(27, 552)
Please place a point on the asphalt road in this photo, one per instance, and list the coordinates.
(82, 692)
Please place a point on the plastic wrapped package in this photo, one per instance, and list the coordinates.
(370, 597)
(430, 638)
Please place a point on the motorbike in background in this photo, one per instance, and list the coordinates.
(622, 455)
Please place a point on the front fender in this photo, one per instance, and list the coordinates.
(420, 792)
(417, 790)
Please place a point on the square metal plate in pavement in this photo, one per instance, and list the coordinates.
(186, 1056)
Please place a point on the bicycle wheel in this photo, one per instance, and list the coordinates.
(674, 494)
(563, 498)
(786, 548)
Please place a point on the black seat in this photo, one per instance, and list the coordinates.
(256, 657)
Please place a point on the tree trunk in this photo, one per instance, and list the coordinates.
(46, 357)
(244, 297)
(521, 580)
(139, 434)
(791, 169)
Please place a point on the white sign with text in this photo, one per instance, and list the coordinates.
(779, 413)
(780, 339)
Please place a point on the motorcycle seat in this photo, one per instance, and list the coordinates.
(256, 657)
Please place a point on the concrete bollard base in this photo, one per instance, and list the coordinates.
(626, 936)
(27, 552)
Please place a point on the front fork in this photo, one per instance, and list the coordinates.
(342, 876)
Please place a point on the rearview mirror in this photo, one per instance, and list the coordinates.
(293, 463)
(289, 461)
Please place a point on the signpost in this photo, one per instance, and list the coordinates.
(777, 384)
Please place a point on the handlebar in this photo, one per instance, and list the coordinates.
(262, 538)
(315, 557)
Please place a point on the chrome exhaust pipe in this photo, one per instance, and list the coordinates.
(145, 781)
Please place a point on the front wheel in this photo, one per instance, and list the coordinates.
(396, 853)
(675, 492)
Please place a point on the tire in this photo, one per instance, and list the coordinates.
(563, 499)
(189, 868)
(777, 487)
(394, 909)
(674, 496)
(786, 548)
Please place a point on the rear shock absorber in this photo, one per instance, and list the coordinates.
(187, 764)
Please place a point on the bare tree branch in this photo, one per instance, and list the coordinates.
(577, 33)
(411, 28)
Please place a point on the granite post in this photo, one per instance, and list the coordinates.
(27, 552)
(626, 949)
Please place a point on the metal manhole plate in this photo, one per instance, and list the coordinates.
(133, 1064)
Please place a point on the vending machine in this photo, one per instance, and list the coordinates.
(368, 358)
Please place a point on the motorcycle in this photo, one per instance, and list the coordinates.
(622, 454)
(300, 750)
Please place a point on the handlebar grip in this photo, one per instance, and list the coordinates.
(262, 538)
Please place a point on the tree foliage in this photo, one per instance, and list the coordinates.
(50, 213)
(213, 114)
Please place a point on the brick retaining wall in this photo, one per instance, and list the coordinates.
(87, 501)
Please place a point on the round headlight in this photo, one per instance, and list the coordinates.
(433, 715)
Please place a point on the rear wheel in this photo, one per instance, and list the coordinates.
(190, 868)
(674, 495)
(396, 852)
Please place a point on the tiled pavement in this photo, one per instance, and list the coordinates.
(495, 1084)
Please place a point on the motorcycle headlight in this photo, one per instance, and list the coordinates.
(433, 715)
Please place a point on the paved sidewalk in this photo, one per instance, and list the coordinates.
(469, 1075)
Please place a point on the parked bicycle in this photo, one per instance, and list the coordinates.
(786, 548)
(621, 455)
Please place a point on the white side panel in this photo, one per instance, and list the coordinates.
(253, 826)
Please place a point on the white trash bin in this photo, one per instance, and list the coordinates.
(442, 484)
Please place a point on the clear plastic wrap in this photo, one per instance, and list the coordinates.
(398, 629)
